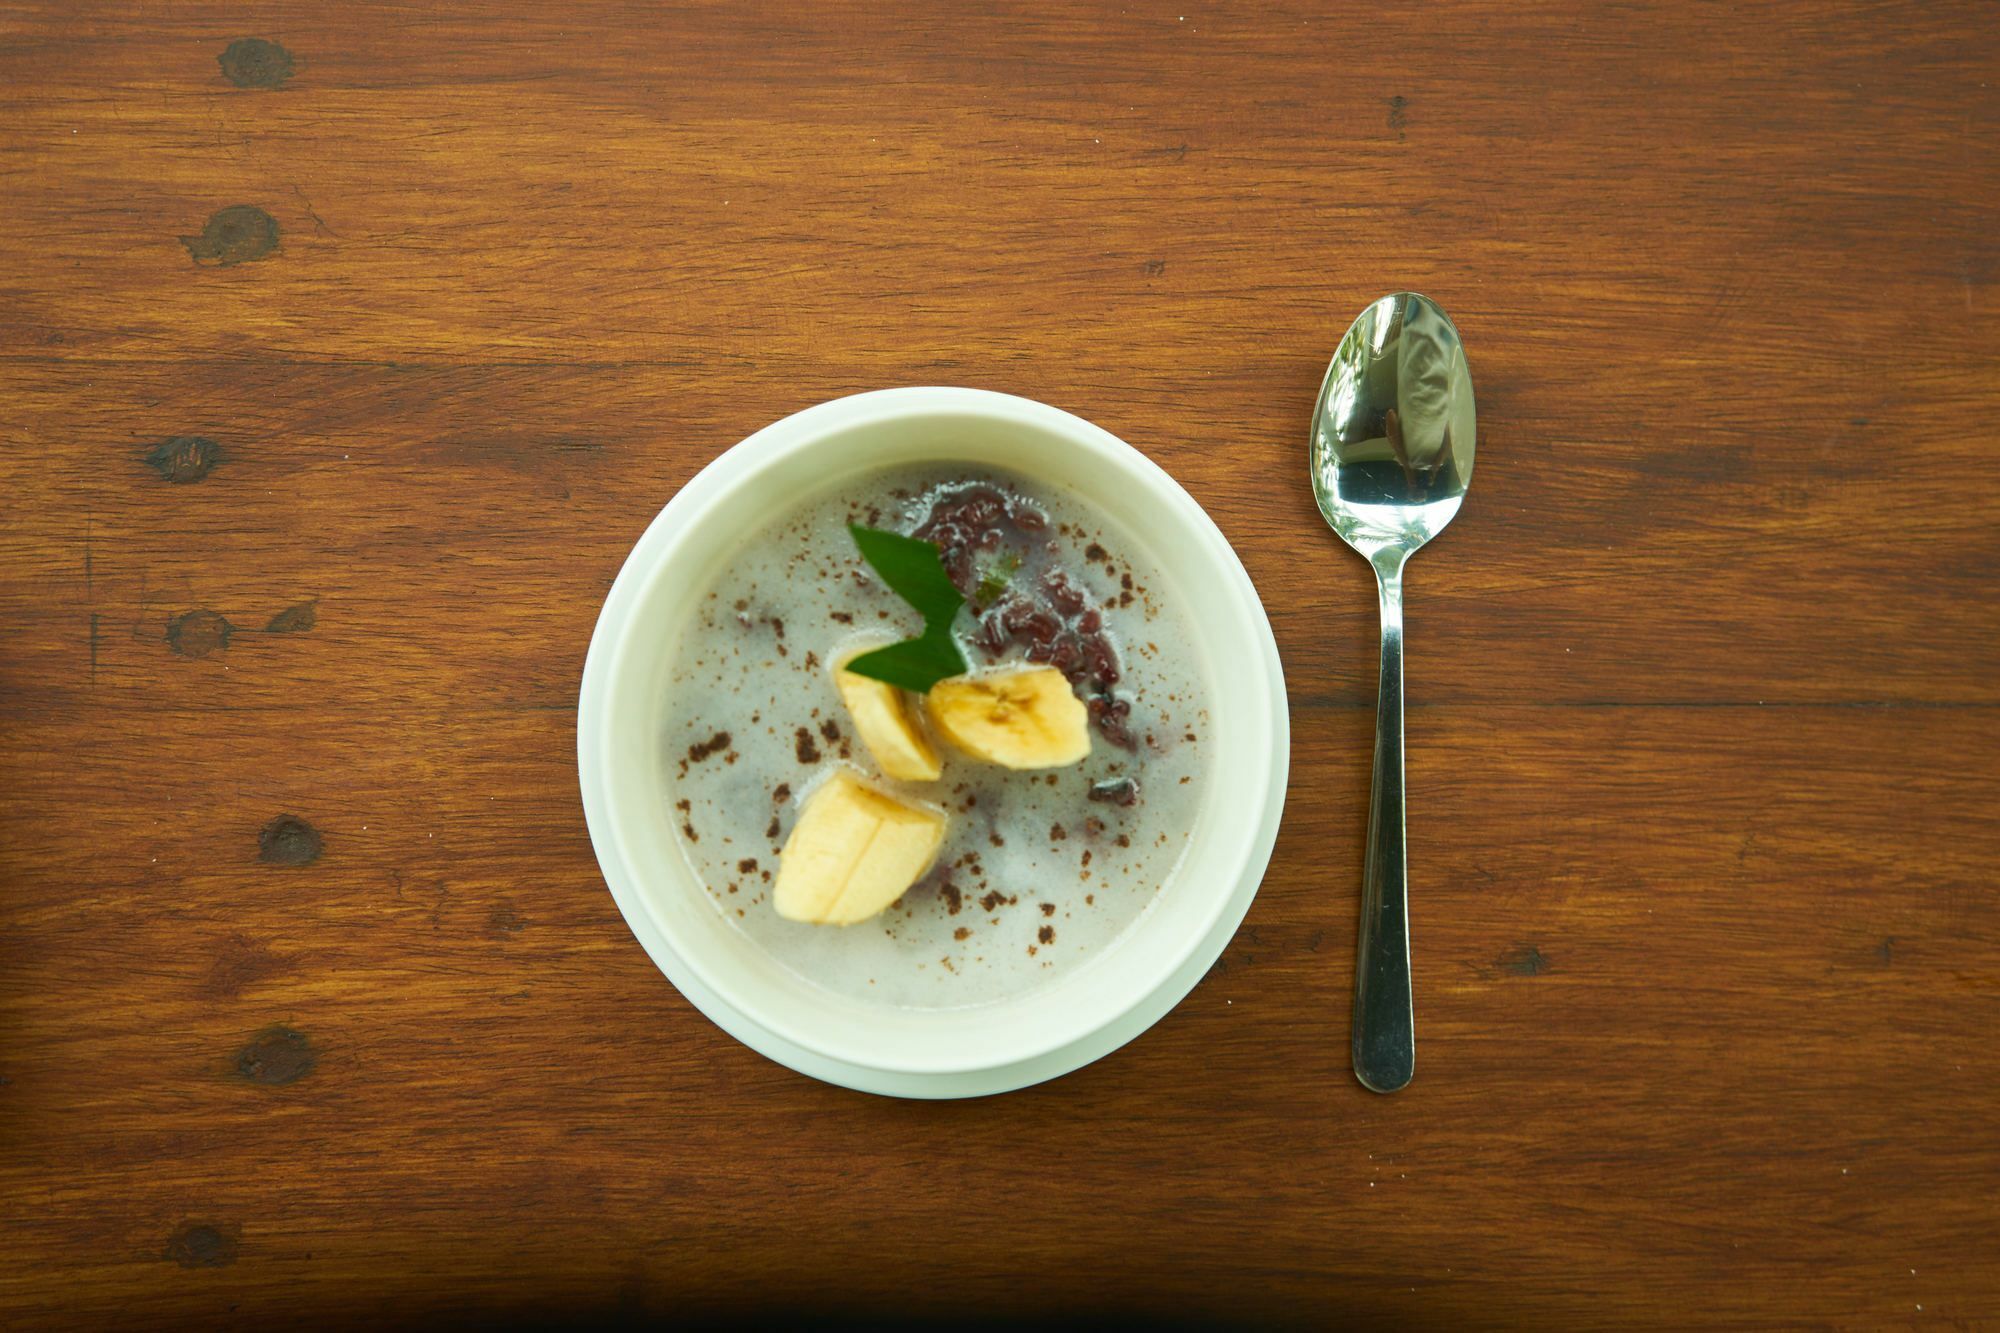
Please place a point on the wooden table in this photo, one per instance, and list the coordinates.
(347, 348)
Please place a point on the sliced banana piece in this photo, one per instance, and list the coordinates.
(888, 726)
(1027, 718)
(852, 853)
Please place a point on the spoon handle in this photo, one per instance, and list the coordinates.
(1385, 1032)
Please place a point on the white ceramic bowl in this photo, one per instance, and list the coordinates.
(627, 786)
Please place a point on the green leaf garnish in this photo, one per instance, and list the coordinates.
(914, 664)
(914, 571)
(993, 579)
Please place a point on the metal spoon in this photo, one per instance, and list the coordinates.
(1391, 457)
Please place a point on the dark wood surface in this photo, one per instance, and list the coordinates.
(1705, 680)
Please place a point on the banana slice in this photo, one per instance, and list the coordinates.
(1018, 719)
(888, 727)
(852, 853)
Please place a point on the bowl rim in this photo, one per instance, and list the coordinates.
(651, 556)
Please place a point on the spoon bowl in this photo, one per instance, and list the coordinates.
(1393, 430)
(1391, 457)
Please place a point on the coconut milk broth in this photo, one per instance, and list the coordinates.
(1034, 876)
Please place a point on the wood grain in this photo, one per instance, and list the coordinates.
(1705, 680)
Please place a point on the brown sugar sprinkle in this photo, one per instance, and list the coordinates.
(803, 746)
(1090, 898)
(1093, 826)
(1047, 934)
(1096, 554)
(843, 617)
(1057, 833)
(732, 888)
(1123, 841)
(747, 866)
(782, 792)
(996, 840)
(812, 664)
(713, 745)
(742, 605)
(772, 831)
(687, 827)
(1086, 856)
(961, 933)
(1048, 909)
(954, 899)
(829, 731)
(995, 898)
(778, 625)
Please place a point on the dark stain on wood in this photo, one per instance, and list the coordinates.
(289, 841)
(1885, 952)
(201, 1245)
(276, 1056)
(1155, 267)
(1707, 463)
(253, 62)
(198, 633)
(504, 921)
(294, 619)
(1523, 960)
(237, 234)
(184, 458)
(1397, 106)
(241, 961)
